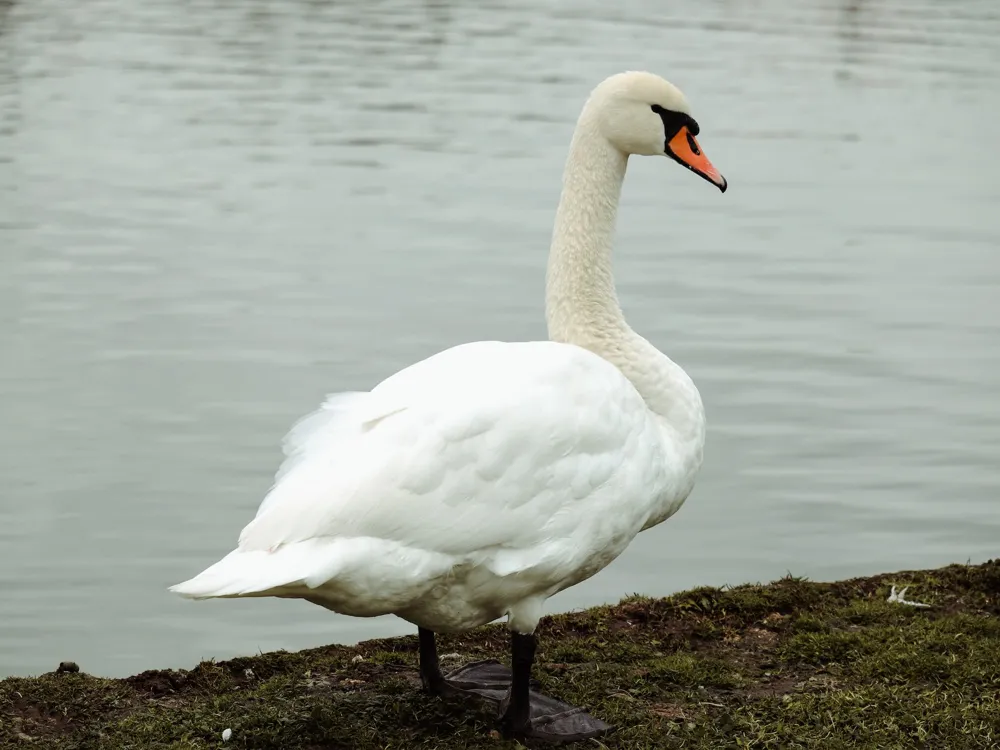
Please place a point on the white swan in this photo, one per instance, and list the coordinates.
(484, 479)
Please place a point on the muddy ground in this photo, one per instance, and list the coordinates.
(792, 664)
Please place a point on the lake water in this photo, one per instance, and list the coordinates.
(213, 213)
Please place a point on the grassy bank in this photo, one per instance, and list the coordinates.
(787, 665)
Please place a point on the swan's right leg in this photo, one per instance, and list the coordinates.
(430, 668)
(483, 679)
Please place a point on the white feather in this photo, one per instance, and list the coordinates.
(507, 458)
(484, 479)
(314, 431)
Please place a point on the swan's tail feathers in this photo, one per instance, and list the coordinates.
(283, 572)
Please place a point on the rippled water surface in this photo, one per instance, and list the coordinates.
(212, 213)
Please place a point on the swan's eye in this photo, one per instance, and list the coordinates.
(674, 121)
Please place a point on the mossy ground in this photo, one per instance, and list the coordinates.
(793, 664)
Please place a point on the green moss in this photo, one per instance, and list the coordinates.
(793, 664)
(692, 670)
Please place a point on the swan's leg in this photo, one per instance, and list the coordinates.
(487, 679)
(430, 668)
(527, 713)
(516, 719)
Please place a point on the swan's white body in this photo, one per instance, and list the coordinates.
(486, 478)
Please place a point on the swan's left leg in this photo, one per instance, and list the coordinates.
(527, 713)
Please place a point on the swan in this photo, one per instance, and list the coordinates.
(482, 480)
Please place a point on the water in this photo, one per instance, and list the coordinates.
(212, 213)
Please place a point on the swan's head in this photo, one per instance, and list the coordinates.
(641, 113)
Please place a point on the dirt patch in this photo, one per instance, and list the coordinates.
(157, 683)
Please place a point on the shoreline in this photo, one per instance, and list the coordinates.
(788, 664)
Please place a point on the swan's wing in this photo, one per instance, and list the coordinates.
(486, 445)
(311, 434)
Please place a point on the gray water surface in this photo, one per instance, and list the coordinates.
(213, 213)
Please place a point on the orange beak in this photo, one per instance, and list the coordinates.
(683, 148)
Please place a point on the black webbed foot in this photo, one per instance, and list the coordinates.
(552, 720)
(524, 712)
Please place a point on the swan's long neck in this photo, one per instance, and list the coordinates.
(581, 304)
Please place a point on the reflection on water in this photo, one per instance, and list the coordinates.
(211, 214)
